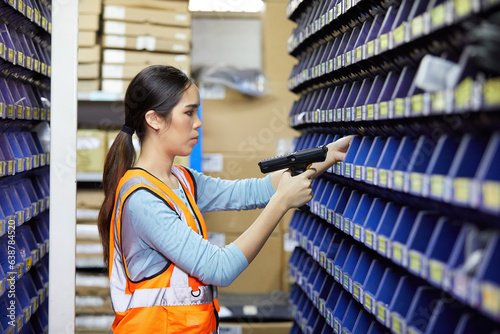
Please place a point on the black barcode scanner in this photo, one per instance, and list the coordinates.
(298, 162)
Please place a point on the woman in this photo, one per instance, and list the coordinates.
(163, 272)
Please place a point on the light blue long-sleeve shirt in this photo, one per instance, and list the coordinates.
(153, 234)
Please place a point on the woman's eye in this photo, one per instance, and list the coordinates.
(189, 113)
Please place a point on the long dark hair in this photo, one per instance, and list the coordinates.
(158, 88)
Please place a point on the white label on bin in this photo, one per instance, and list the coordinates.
(250, 310)
(114, 12)
(181, 17)
(112, 71)
(145, 42)
(114, 41)
(180, 35)
(112, 86)
(230, 329)
(115, 27)
(212, 162)
(179, 47)
(114, 56)
(288, 243)
(89, 143)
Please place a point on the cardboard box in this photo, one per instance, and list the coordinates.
(149, 43)
(89, 199)
(145, 15)
(89, 6)
(91, 150)
(88, 22)
(249, 125)
(87, 38)
(129, 58)
(170, 5)
(89, 71)
(263, 275)
(89, 55)
(88, 85)
(255, 327)
(146, 29)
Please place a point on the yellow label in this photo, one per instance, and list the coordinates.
(382, 177)
(414, 261)
(10, 111)
(28, 11)
(19, 324)
(359, 52)
(19, 270)
(490, 298)
(438, 15)
(370, 111)
(19, 111)
(417, 102)
(28, 61)
(396, 324)
(20, 58)
(10, 167)
(20, 165)
(370, 48)
(1, 48)
(399, 33)
(339, 61)
(20, 5)
(369, 174)
(436, 271)
(462, 7)
(491, 91)
(384, 109)
(368, 302)
(461, 186)
(330, 65)
(384, 41)
(355, 291)
(381, 244)
(348, 57)
(347, 225)
(381, 312)
(44, 21)
(339, 9)
(417, 26)
(398, 179)
(357, 231)
(416, 182)
(346, 281)
(399, 107)
(347, 172)
(359, 112)
(437, 185)
(357, 172)
(438, 101)
(11, 54)
(397, 252)
(369, 238)
(463, 93)
(28, 263)
(491, 194)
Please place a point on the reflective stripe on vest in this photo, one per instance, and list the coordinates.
(172, 287)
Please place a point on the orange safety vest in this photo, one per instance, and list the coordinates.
(171, 301)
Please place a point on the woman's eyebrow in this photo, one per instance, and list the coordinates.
(193, 105)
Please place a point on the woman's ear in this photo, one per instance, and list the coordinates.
(153, 120)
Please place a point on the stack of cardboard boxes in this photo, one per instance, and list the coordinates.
(89, 51)
(141, 33)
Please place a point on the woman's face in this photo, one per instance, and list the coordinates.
(180, 133)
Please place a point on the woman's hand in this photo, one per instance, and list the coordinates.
(295, 191)
(339, 148)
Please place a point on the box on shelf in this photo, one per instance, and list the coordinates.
(128, 58)
(89, 6)
(88, 85)
(149, 43)
(89, 55)
(88, 22)
(88, 71)
(145, 15)
(89, 199)
(146, 29)
(91, 150)
(263, 275)
(176, 6)
(87, 38)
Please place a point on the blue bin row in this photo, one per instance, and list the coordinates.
(396, 300)
(21, 151)
(425, 244)
(388, 29)
(21, 249)
(24, 51)
(19, 100)
(458, 170)
(23, 199)
(38, 12)
(28, 306)
(392, 96)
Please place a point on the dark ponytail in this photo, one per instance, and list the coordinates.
(158, 88)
